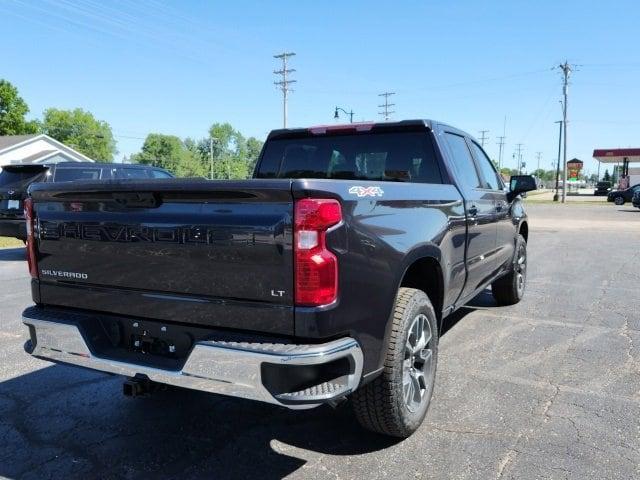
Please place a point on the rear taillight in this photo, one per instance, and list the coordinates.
(31, 242)
(316, 268)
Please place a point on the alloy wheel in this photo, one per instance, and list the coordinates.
(521, 270)
(417, 373)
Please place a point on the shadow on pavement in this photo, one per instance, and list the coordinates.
(65, 422)
(12, 254)
(482, 300)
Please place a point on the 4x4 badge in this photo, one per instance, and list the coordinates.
(366, 191)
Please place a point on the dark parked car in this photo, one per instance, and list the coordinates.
(620, 197)
(327, 275)
(15, 180)
(602, 188)
(636, 199)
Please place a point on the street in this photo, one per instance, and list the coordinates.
(549, 388)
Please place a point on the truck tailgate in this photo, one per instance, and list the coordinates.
(207, 252)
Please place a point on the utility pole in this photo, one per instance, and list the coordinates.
(556, 196)
(566, 72)
(483, 137)
(211, 155)
(386, 105)
(285, 82)
(500, 146)
(501, 143)
(519, 156)
(538, 155)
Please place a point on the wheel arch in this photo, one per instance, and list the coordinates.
(425, 273)
(421, 270)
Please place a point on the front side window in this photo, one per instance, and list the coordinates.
(395, 157)
(486, 167)
(463, 161)
(160, 174)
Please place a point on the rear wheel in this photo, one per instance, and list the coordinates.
(509, 290)
(396, 402)
(618, 200)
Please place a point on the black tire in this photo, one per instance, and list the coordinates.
(618, 200)
(381, 406)
(509, 290)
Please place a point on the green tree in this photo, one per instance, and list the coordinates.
(12, 112)
(254, 147)
(550, 175)
(80, 130)
(170, 153)
(607, 176)
(233, 155)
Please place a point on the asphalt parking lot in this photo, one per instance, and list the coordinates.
(549, 388)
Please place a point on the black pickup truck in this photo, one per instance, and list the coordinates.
(325, 276)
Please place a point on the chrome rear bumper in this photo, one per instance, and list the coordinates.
(228, 368)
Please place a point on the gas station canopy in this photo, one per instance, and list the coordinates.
(625, 156)
(617, 155)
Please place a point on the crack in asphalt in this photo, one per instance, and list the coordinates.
(509, 457)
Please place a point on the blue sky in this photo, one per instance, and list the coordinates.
(176, 67)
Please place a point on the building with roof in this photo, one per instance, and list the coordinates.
(38, 148)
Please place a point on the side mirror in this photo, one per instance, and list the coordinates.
(520, 184)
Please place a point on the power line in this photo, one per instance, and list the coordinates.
(483, 137)
(285, 82)
(386, 105)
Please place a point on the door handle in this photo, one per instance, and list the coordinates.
(473, 210)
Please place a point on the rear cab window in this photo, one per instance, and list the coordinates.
(21, 178)
(389, 156)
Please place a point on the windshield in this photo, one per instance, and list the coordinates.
(17, 178)
(400, 157)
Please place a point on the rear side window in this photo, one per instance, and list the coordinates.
(399, 157)
(133, 173)
(463, 161)
(70, 174)
(488, 172)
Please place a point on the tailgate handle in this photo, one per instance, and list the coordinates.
(137, 199)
